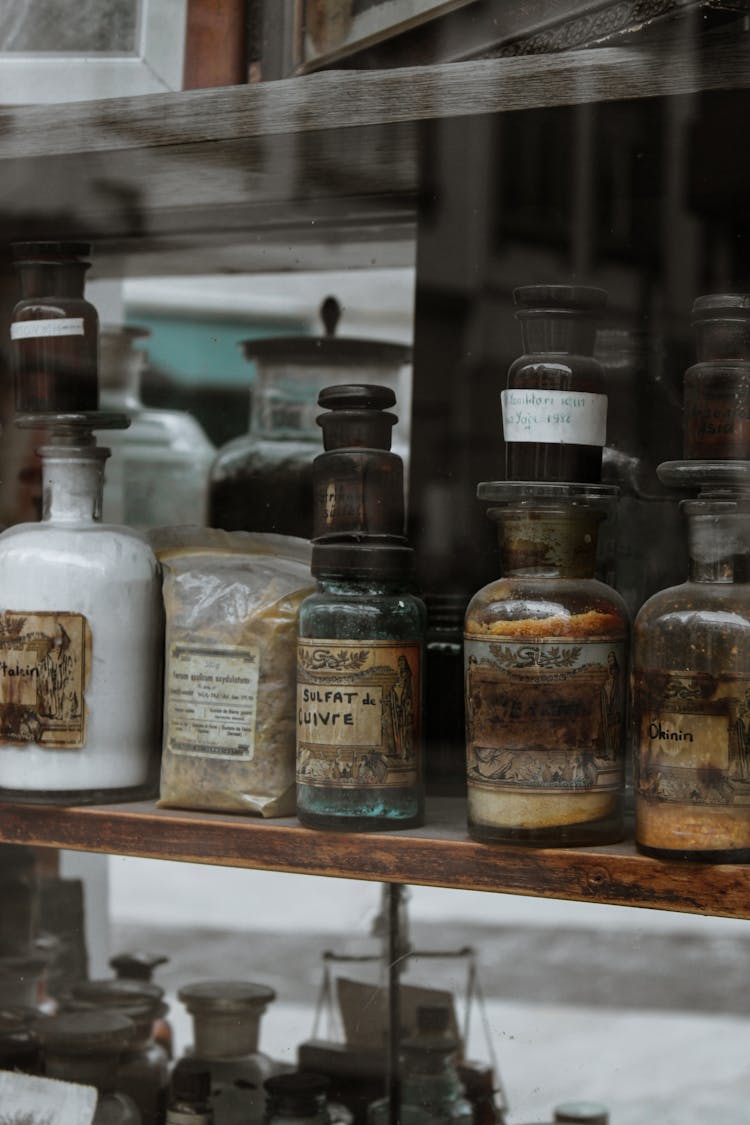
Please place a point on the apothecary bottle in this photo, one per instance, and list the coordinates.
(84, 1047)
(359, 673)
(691, 694)
(142, 1070)
(358, 483)
(157, 474)
(80, 639)
(717, 386)
(431, 1091)
(54, 329)
(545, 661)
(554, 406)
(226, 1026)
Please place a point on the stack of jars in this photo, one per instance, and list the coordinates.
(691, 659)
(359, 652)
(80, 617)
(545, 646)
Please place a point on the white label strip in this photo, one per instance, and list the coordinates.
(33, 329)
(45, 1100)
(572, 417)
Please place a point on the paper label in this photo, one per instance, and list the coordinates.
(358, 713)
(26, 1100)
(33, 329)
(211, 700)
(694, 738)
(45, 664)
(570, 417)
(545, 715)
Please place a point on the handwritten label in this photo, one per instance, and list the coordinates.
(211, 701)
(45, 1100)
(570, 417)
(34, 329)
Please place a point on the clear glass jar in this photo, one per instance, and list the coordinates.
(142, 1070)
(359, 685)
(431, 1091)
(54, 330)
(691, 693)
(157, 474)
(555, 404)
(545, 659)
(226, 1025)
(81, 635)
(84, 1047)
(263, 481)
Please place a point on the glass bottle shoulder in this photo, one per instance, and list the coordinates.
(560, 606)
(697, 626)
(90, 546)
(377, 612)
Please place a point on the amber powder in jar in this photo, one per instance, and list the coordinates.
(545, 658)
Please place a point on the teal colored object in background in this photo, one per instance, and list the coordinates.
(198, 352)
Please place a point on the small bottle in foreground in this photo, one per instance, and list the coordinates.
(545, 652)
(359, 672)
(296, 1099)
(191, 1094)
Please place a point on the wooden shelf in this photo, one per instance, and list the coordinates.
(439, 854)
(307, 172)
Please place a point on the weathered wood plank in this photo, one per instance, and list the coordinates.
(438, 855)
(346, 99)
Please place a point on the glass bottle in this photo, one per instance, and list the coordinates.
(19, 895)
(80, 640)
(691, 692)
(358, 484)
(190, 1099)
(545, 659)
(431, 1091)
(54, 330)
(262, 481)
(142, 1070)
(717, 387)
(359, 683)
(84, 1047)
(444, 728)
(226, 1024)
(555, 404)
(20, 1049)
(157, 474)
(140, 965)
(297, 1097)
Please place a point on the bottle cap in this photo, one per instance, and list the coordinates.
(362, 560)
(137, 965)
(582, 1113)
(191, 1081)
(83, 1033)
(298, 1092)
(225, 995)
(574, 297)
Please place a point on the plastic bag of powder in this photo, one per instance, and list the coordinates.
(231, 602)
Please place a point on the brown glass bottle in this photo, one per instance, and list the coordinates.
(54, 330)
(555, 406)
(691, 695)
(545, 658)
(717, 387)
(358, 484)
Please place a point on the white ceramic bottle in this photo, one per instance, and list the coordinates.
(80, 643)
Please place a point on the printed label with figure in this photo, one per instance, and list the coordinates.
(545, 715)
(571, 417)
(45, 664)
(54, 326)
(358, 713)
(694, 738)
(211, 700)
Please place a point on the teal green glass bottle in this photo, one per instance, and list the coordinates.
(431, 1090)
(359, 690)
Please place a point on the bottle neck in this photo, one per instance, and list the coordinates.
(370, 585)
(558, 543)
(719, 547)
(72, 483)
(52, 279)
(557, 332)
(226, 1034)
